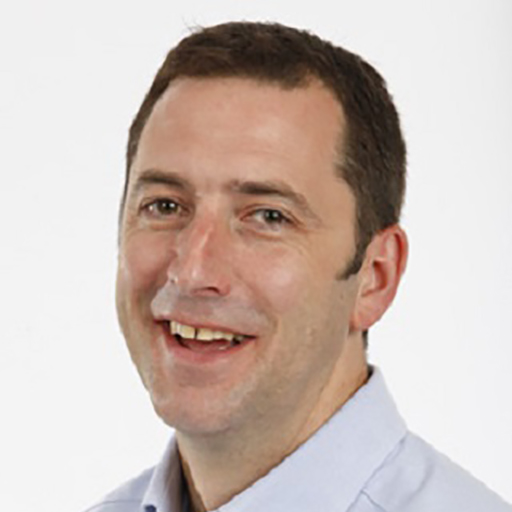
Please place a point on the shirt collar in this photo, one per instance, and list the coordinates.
(165, 489)
(326, 473)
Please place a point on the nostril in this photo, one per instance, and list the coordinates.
(201, 282)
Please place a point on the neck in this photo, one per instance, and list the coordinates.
(218, 467)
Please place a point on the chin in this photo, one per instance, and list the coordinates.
(195, 422)
(195, 412)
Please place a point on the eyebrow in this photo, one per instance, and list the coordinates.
(276, 188)
(157, 177)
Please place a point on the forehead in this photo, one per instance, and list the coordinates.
(234, 128)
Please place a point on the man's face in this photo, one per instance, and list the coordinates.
(236, 223)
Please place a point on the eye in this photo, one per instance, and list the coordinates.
(270, 217)
(163, 207)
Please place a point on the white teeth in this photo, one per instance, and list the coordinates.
(203, 334)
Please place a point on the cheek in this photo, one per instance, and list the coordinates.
(144, 260)
(282, 278)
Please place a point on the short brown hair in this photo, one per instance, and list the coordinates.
(372, 154)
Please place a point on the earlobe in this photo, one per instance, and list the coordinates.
(384, 264)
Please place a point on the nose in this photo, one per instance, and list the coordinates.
(202, 263)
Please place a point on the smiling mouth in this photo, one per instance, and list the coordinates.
(201, 339)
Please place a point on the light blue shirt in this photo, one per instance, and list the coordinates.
(362, 460)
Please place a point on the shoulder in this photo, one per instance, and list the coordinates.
(126, 498)
(416, 477)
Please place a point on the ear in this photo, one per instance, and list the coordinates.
(379, 277)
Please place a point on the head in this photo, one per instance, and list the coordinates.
(371, 154)
(265, 175)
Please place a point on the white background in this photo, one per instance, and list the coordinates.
(75, 420)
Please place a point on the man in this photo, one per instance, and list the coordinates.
(259, 242)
